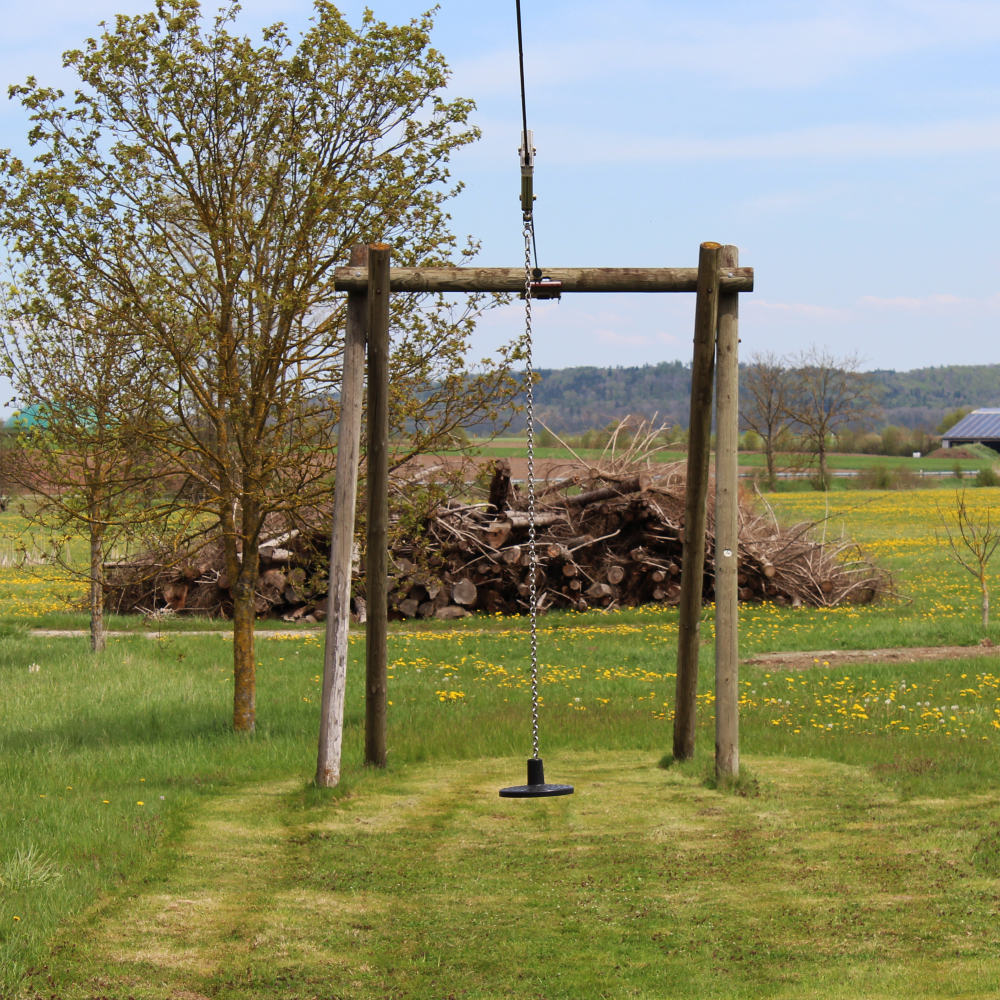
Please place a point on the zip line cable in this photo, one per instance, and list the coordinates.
(520, 61)
(524, 119)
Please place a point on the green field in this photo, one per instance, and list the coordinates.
(146, 851)
(510, 447)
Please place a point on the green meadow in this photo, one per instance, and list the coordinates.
(146, 851)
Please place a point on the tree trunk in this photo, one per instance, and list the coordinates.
(98, 636)
(822, 460)
(986, 604)
(769, 458)
(244, 662)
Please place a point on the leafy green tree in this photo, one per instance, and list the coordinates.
(82, 459)
(209, 185)
(950, 419)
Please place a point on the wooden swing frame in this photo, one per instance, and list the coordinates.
(369, 281)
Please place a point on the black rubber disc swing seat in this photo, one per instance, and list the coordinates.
(536, 285)
(536, 787)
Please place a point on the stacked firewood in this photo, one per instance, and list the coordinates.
(609, 539)
(606, 537)
(292, 579)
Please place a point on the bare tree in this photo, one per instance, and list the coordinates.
(764, 402)
(977, 539)
(826, 393)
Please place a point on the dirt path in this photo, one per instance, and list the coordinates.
(844, 657)
(54, 633)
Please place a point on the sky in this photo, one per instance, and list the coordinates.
(849, 149)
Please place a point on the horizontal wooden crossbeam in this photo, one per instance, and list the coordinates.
(574, 279)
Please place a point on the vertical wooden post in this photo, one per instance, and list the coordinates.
(695, 506)
(345, 495)
(376, 572)
(727, 417)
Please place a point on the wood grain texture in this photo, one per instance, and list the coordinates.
(695, 510)
(727, 416)
(377, 567)
(574, 279)
(342, 536)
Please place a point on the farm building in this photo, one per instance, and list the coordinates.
(979, 427)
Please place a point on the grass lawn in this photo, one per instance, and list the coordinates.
(146, 851)
(517, 447)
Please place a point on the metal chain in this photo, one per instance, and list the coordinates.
(532, 554)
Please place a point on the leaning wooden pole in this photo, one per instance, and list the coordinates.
(727, 416)
(695, 507)
(377, 459)
(345, 495)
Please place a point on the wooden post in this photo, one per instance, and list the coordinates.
(376, 572)
(727, 416)
(695, 506)
(345, 495)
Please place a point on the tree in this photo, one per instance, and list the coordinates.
(977, 541)
(950, 419)
(826, 393)
(764, 402)
(82, 457)
(211, 185)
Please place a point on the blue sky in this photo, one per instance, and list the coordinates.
(850, 149)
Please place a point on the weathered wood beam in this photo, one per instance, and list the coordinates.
(574, 279)
(377, 459)
(727, 615)
(345, 501)
(706, 312)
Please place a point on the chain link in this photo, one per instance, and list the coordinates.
(532, 553)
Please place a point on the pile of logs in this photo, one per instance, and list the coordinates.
(605, 538)
(610, 539)
(292, 582)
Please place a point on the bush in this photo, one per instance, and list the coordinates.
(880, 477)
(546, 439)
(987, 476)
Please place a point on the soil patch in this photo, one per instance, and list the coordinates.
(951, 453)
(832, 658)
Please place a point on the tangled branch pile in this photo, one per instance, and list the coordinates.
(292, 583)
(617, 542)
(607, 536)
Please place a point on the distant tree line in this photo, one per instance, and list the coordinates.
(575, 400)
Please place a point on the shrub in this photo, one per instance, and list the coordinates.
(880, 477)
(987, 476)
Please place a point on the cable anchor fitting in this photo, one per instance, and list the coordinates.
(527, 155)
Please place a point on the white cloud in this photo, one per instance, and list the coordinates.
(628, 339)
(926, 302)
(797, 309)
(750, 45)
(848, 141)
